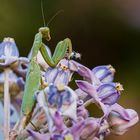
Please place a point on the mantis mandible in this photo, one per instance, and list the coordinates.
(33, 77)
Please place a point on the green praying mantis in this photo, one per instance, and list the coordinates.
(33, 77)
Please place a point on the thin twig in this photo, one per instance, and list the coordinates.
(6, 105)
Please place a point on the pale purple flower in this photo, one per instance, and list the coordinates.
(104, 73)
(86, 129)
(9, 57)
(63, 72)
(8, 48)
(90, 130)
(58, 122)
(109, 93)
(59, 75)
(8, 52)
(63, 99)
(120, 119)
(59, 98)
(106, 93)
(100, 85)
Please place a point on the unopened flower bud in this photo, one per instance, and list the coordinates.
(104, 73)
(118, 122)
(109, 93)
(8, 48)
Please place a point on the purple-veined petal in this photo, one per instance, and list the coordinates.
(51, 75)
(58, 98)
(91, 129)
(64, 100)
(63, 77)
(120, 110)
(58, 122)
(87, 87)
(76, 129)
(109, 93)
(119, 125)
(81, 94)
(71, 110)
(8, 48)
(104, 73)
(8, 52)
(64, 74)
(84, 72)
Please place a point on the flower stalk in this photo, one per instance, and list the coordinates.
(6, 105)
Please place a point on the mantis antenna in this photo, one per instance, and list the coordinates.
(54, 17)
(42, 12)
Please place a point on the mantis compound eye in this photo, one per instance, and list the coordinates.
(45, 33)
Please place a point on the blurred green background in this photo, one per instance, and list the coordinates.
(104, 32)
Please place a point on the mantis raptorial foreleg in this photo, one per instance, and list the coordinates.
(62, 48)
(33, 77)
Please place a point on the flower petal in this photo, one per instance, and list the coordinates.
(91, 128)
(104, 73)
(58, 122)
(71, 110)
(8, 48)
(120, 125)
(84, 72)
(108, 93)
(87, 87)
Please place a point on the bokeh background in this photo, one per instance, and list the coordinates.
(103, 31)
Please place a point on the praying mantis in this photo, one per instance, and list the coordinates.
(33, 77)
